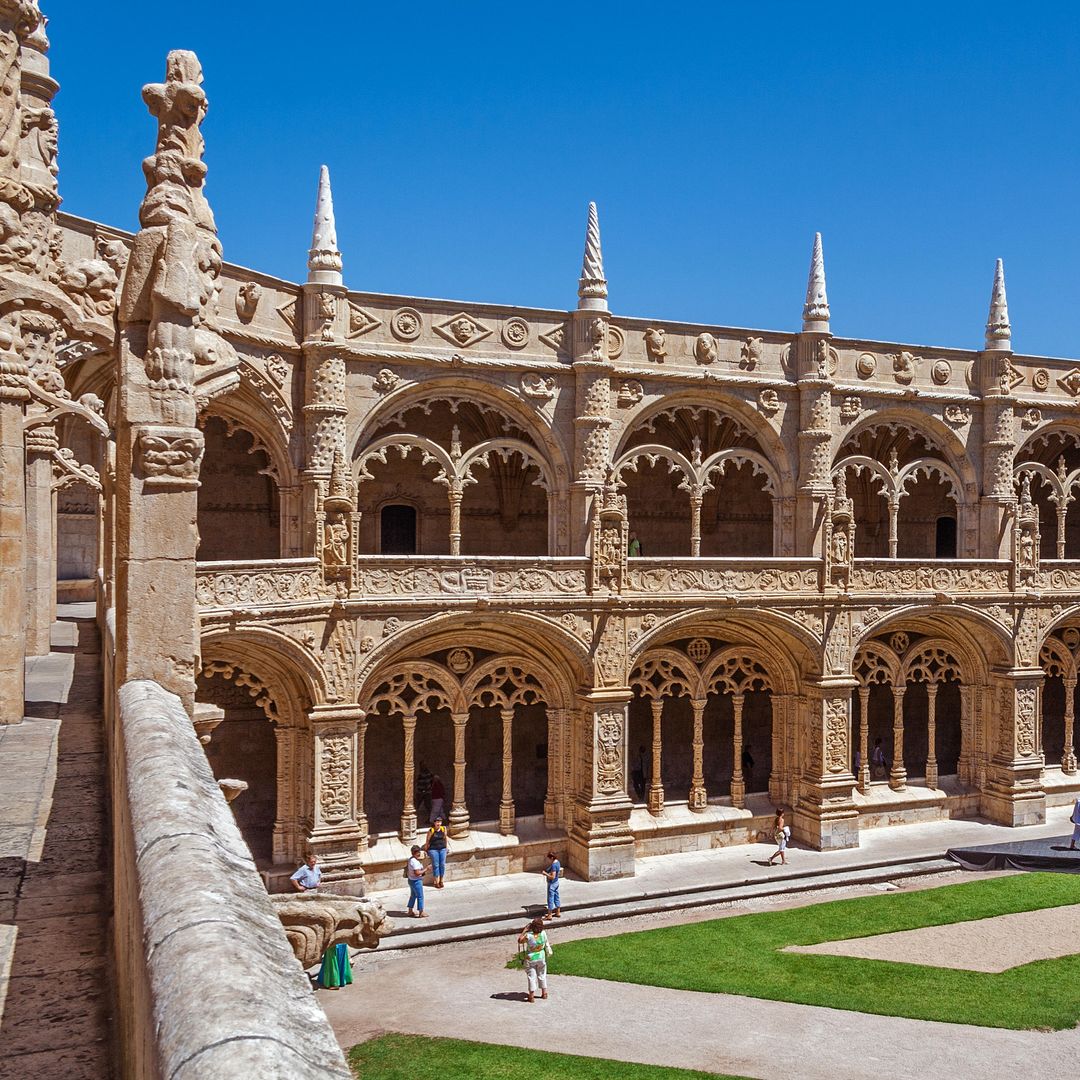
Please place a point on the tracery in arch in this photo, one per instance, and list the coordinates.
(478, 481)
(909, 501)
(698, 482)
(1059, 658)
(1051, 457)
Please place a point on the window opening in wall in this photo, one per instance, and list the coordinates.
(945, 543)
(397, 524)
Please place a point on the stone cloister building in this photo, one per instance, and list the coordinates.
(359, 534)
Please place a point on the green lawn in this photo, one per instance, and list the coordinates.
(413, 1057)
(740, 955)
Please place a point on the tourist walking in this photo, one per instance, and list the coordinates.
(309, 876)
(1075, 819)
(437, 846)
(552, 872)
(535, 952)
(878, 765)
(438, 797)
(414, 871)
(781, 834)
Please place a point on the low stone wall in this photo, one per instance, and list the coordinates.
(207, 984)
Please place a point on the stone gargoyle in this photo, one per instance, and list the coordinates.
(315, 921)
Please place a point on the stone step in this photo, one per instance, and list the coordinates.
(417, 933)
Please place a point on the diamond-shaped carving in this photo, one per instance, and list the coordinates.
(288, 312)
(462, 330)
(1070, 383)
(361, 322)
(555, 339)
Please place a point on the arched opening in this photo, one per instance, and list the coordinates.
(1058, 658)
(697, 483)
(239, 513)
(505, 511)
(397, 529)
(76, 534)
(1052, 460)
(243, 747)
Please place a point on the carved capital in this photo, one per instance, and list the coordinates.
(168, 458)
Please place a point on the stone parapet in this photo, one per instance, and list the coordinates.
(207, 983)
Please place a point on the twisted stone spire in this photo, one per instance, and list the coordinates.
(815, 314)
(998, 330)
(592, 287)
(324, 259)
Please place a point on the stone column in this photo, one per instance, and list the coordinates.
(964, 764)
(553, 798)
(898, 774)
(454, 494)
(931, 735)
(698, 798)
(335, 835)
(814, 362)
(695, 524)
(1068, 753)
(1014, 793)
(41, 444)
(894, 514)
(458, 822)
(778, 778)
(407, 831)
(14, 395)
(738, 783)
(999, 450)
(506, 803)
(864, 739)
(656, 784)
(825, 814)
(286, 811)
(600, 843)
(361, 752)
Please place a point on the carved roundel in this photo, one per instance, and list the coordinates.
(459, 661)
(899, 642)
(698, 650)
(406, 323)
(1071, 636)
(616, 342)
(941, 372)
(866, 365)
(515, 333)
(1041, 379)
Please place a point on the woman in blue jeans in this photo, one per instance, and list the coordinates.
(552, 872)
(414, 871)
(437, 846)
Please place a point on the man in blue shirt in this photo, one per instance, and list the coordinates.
(308, 876)
(551, 873)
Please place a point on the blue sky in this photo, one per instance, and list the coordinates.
(464, 141)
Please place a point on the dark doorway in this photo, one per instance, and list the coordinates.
(945, 543)
(398, 530)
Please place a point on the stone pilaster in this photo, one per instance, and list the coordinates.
(601, 845)
(41, 444)
(1013, 793)
(825, 815)
(336, 834)
(13, 398)
(814, 443)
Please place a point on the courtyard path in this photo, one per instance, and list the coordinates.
(464, 991)
(54, 867)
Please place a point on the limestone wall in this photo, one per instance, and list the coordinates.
(207, 984)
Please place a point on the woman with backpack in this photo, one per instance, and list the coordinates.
(535, 951)
(436, 846)
(781, 834)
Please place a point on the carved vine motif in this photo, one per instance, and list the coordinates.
(609, 747)
(339, 662)
(335, 780)
(281, 585)
(1025, 721)
(836, 735)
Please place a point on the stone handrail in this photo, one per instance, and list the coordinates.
(207, 983)
(922, 575)
(266, 581)
(723, 576)
(472, 575)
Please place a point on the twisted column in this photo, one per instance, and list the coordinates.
(898, 774)
(408, 811)
(656, 787)
(361, 816)
(698, 798)
(931, 735)
(459, 814)
(506, 803)
(1068, 753)
(864, 739)
(738, 783)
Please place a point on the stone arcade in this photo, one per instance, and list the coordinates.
(357, 534)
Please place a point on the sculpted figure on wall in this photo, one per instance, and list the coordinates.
(314, 921)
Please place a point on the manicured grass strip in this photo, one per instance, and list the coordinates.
(414, 1057)
(740, 955)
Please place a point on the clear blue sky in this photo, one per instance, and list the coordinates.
(464, 141)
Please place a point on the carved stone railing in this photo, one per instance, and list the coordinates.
(269, 581)
(470, 576)
(927, 575)
(1058, 575)
(723, 577)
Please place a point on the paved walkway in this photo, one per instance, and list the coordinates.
(519, 895)
(54, 858)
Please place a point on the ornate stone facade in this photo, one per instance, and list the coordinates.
(589, 569)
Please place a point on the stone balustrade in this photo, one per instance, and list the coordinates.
(964, 576)
(207, 983)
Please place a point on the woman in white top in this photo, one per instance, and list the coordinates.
(414, 871)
